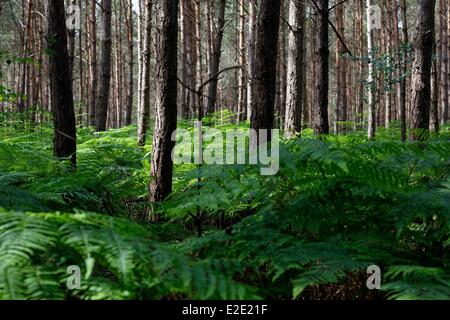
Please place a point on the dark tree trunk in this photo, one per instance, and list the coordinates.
(322, 55)
(215, 57)
(166, 100)
(264, 75)
(421, 76)
(64, 143)
(105, 68)
(93, 66)
(404, 71)
(130, 29)
(294, 101)
(434, 118)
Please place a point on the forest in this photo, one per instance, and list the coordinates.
(224, 150)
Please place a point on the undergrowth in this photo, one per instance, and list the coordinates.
(337, 206)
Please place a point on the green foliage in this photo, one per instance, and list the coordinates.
(118, 260)
(337, 206)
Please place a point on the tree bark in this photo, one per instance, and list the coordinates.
(264, 76)
(242, 79)
(360, 25)
(105, 66)
(421, 76)
(295, 68)
(403, 97)
(251, 54)
(215, 57)
(372, 121)
(64, 143)
(443, 64)
(444, 111)
(397, 45)
(71, 33)
(434, 107)
(341, 70)
(322, 55)
(144, 108)
(166, 101)
(281, 84)
(93, 66)
(130, 91)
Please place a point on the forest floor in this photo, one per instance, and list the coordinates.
(337, 206)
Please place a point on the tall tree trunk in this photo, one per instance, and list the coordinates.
(397, 45)
(115, 108)
(140, 40)
(421, 77)
(93, 66)
(251, 54)
(281, 87)
(434, 107)
(444, 107)
(242, 79)
(443, 64)
(360, 106)
(341, 70)
(184, 103)
(144, 108)
(105, 66)
(199, 58)
(130, 92)
(215, 57)
(404, 71)
(64, 143)
(372, 122)
(82, 100)
(322, 55)
(166, 101)
(295, 68)
(264, 75)
(388, 107)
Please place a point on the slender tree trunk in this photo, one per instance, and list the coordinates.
(264, 75)
(295, 68)
(253, 12)
(421, 77)
(242, 79)
(215, 57)
(166, 101)
(444, 107)
(403, 83)
(105, 66)
(322, 56)
(64, 142)
(434, 107)
(360, 106)
(443, 66)
(341, 70)
(93, 66)
(82, 100)
(130, 91)
(388, 107)
(71, 33)
(184, 107)
(398, 56)
(199, 58)
(372, 122)
(144, 109)
(140, 40)
(280, 101)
